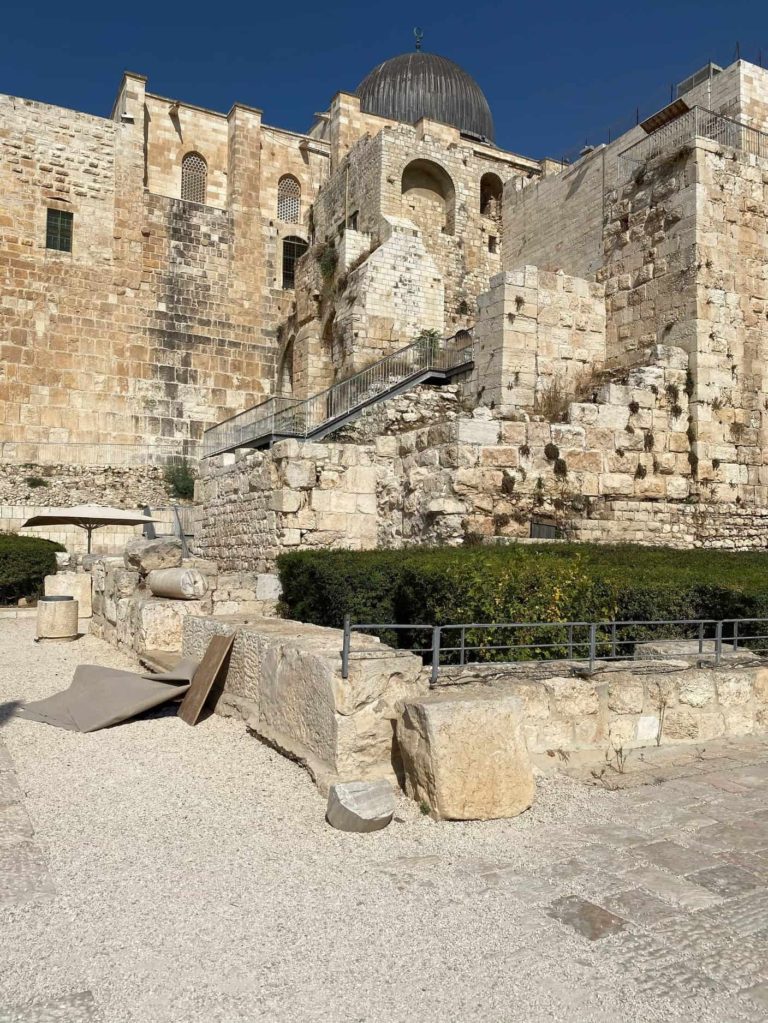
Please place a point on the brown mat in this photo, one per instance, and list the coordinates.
(100, 697)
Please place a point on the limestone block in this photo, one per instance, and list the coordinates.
(360, 806)
(268, 586)
(477, 431)
(573, 697)
(289, 674)
(177, 583)
(72, 584)
(157, 623)
(625, 697)
(464, 754)
(733, 689)
(146, 555)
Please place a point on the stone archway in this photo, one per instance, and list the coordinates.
(429, 197)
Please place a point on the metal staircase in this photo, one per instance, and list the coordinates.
(427, 360)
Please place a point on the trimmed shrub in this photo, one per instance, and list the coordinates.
(522, 583)
(24, 563)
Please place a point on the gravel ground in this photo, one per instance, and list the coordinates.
(196, 880)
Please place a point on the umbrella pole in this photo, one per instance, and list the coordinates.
(89, 531)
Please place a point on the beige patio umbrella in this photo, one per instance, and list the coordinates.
(89, 517)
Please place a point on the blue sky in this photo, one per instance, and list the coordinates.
(556, 74)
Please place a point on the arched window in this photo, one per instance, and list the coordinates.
(194, 178)
(428, 196)
(293, 250)
(491, 190)
(288, 199)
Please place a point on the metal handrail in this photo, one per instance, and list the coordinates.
(291, 417)
(696, 122)
(587, 642)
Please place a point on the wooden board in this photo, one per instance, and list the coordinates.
(206, 675)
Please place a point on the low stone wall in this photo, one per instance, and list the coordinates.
(284, 680)
(631, 704)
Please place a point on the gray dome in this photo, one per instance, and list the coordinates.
(416, 85)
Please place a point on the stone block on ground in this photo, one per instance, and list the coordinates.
(147, 555)
(464, 754)
(71, 584)
(284, 679)
(360, 806)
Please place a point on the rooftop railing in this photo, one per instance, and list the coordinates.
(313, 417)
(696, 122)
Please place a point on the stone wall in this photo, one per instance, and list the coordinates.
(163, 318)
(631, 705)
(538, 335)
(62, 485)
(414, 194)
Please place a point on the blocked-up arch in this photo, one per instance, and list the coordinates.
(429, 196)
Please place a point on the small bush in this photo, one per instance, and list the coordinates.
(24, 563)
(551, 452)
(180, 480)
(327, 259)
(33, 482)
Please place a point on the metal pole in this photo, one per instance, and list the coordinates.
(701, 637)
(435, 653)
(462, 653)
(570, 641)
(345, 648)
(718, 642)
(735, 636)
(592, 646)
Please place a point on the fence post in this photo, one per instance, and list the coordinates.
(592, 647)
(570, 641)
(701, 637)
(718, 642)
(735, 636)
(462, 652)
(345, 648)
(435, 653)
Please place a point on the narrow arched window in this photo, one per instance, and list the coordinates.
(288, 199)
(194, 178)
(293, 250)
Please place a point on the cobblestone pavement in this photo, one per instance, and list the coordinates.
(165, 874)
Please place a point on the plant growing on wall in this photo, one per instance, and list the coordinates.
(180, 480)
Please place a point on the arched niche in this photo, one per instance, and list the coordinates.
(429, 197)
(491, 191)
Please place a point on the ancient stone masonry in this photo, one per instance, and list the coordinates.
(413, 213)
(162, 318)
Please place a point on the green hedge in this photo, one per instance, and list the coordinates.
(24, 563)
(522, 582)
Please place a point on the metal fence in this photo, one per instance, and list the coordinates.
(707, 641)
(696, 122)
(289, 417)
(52, 453)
